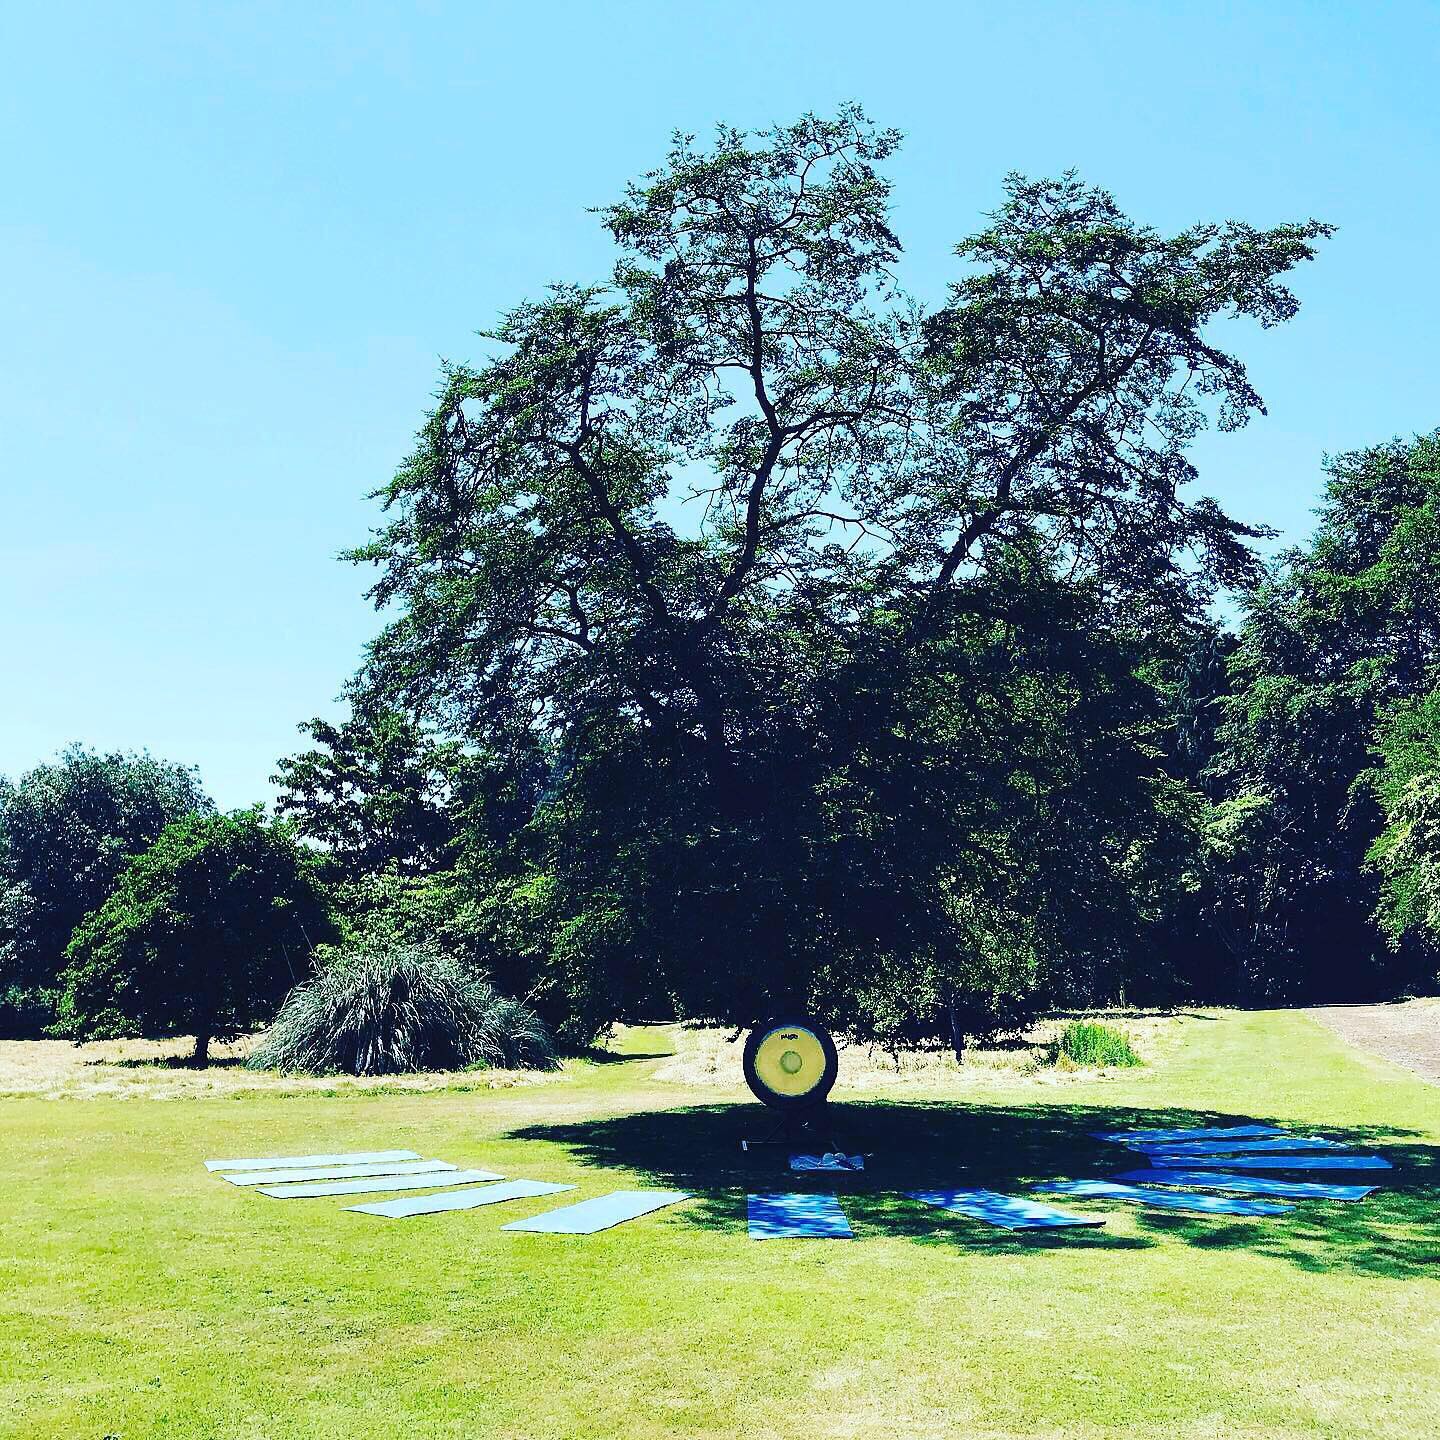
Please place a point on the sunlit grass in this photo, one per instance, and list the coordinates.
(141, 1297)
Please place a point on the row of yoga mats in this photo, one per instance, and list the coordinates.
(294, 1177)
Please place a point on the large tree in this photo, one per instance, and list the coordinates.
(809, 592)
(66, 832)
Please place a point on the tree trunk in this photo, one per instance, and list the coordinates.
(957, 1030)
(202, 1051)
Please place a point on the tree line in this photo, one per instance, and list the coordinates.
(756, 636)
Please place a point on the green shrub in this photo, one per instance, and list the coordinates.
(386, 1009)
(1086, 1042)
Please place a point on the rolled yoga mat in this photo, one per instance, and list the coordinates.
(408, 1205)
(431, 1180)
(1247, 1184)
(601, 1213)
(1163, 1199)
(796, 1216)
(284, 1162)
(1010, 1212)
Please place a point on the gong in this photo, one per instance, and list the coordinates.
(790, 1064)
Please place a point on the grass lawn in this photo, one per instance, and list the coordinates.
(141, 1297)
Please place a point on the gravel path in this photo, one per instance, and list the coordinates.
(1406, 1031)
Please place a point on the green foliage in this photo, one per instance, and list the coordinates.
(1338, 651)
(1089, 1043)
(66, 832)
(392, 1008)
(203, 934)
(1406, 853)
(827, 621)
(373, 792)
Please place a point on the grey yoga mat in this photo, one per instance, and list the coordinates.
(600, 1213)
(1247, 1184)
(1009, 1212)
(1163, 1199)
(340, 1172)
(1203, 1149)
(431, 1180)
(285, 1162)
(1213, 1132)
(408, 1205)
(1275, 1162)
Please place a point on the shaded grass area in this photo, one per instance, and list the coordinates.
(917, 1145)
(140, 1297)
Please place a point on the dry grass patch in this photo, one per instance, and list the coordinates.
(158, 1070)
(707, 1057)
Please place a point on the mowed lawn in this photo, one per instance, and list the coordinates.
(141, 1297)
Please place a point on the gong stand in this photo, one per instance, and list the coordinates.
(790, 1065)
(797, 1129)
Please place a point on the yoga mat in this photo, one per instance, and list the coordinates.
(408, 1205)
(600, 1213)
(1212, 1133)
(1162, 1199)
(781, 1217)
(827, 1162)
(340, 1172)
(278, 1162)
(1276, 1162)
(1207, 1148)
(1010, 1212)
(1247, 1184)
(429, 1181)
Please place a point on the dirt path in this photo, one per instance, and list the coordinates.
(1407, 1031)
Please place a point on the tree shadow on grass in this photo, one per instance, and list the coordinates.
(170, 1062)
(917, 1145)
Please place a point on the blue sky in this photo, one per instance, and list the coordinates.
(236, 239)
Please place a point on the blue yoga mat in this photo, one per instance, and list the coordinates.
(780, 1217)
(1275, 1162)
(408, 1205)
(601, 1213)
(432, 1180)
(1247, 1184)
(1163, 1199)
(285, 1162)
(1010, 1212)
(340, 1172)
(1220, 1132)
(1234, 1147)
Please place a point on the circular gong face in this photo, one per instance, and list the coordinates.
(790, 1063)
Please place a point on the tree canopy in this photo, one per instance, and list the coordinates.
(66, 832)
(1336, 669)
(830, 618)
(204, 935)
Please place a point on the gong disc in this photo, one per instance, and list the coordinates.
(790, 1063)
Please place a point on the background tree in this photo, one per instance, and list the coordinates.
(66, 832)
(1337, 653)
(375, 792)
(204, 935)
(790, 582)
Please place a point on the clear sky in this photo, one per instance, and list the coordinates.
(235, 240)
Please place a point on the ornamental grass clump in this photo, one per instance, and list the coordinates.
(1086, 1042)
(391, 1009)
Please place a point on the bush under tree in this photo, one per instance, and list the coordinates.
(392, 1008)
